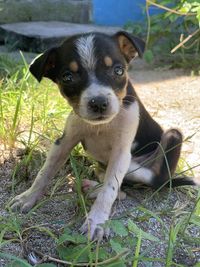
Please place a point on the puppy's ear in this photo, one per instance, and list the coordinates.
(130, 45)
(44, 65)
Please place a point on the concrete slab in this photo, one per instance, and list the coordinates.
(37, 36)
(12, 11)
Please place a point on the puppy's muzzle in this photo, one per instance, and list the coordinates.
(98, 104)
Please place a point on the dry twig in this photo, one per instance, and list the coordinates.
(47, 258)
(169, 9)
(185, 40)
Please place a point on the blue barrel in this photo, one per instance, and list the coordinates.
(119, 12)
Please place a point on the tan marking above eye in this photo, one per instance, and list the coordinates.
(73, 66)
(108, 61)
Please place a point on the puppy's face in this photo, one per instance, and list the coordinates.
(91, 72)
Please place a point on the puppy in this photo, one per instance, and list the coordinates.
(108, 119)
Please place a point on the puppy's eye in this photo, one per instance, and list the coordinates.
(119, 70)
(67, 77)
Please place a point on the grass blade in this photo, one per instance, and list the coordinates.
(137, 251)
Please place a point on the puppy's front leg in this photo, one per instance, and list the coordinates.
(101, 208)
(117, 167)
(56, 157)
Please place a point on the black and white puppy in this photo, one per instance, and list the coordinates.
(107, 118)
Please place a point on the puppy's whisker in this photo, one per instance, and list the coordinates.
(122, 108)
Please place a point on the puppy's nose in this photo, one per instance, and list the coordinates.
(98, 104)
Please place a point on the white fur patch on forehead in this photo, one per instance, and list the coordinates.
(85, 47)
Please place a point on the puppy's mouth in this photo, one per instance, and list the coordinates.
(101, 119)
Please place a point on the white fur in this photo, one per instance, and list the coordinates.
(85, 48)
(119, 160)
(134, 145)
(138, 173)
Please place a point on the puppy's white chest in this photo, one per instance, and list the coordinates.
(100, 140)
(99, 146)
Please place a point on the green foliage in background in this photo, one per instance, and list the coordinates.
(177, 21)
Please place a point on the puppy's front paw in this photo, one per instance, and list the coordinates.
(94, 226)
(25, 201)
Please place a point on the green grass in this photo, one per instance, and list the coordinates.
(31, 117)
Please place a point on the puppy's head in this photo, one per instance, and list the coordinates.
(91, 72)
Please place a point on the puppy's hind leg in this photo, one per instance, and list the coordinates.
(158, 168)
(90, 187)
(166, 160)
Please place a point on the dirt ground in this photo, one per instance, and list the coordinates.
(173, 98)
